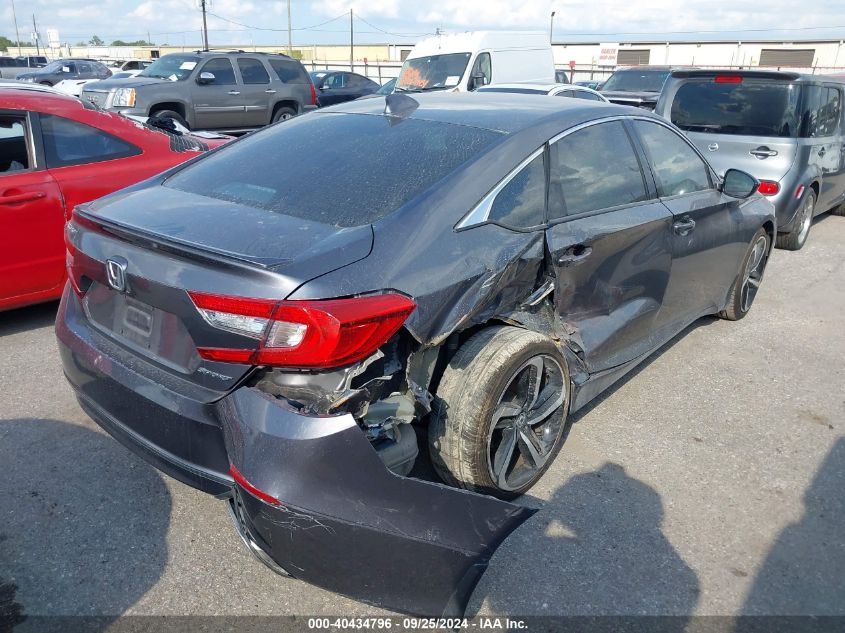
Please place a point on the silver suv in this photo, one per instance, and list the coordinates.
(231, 91)
(784, 128)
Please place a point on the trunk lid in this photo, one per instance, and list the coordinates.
(137, 254)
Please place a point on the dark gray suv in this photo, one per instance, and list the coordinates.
(234, 91)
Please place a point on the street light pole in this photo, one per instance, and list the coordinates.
(290, 37)
(204, 27)
(351, 43)
(17, 35)
(551, 27)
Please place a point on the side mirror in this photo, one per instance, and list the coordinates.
(324, 87)
(738, 184)
(478, 80)
(205, 78)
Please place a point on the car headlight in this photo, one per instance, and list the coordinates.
(124, 98)
(29, 79)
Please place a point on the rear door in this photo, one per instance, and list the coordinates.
(220, 103)
(31, 214)
(707, 240)
(256, 91)
(610, 243)
(823, 129)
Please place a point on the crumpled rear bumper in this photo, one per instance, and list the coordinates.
(344, 523)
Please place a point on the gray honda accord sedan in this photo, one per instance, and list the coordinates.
(299, 321)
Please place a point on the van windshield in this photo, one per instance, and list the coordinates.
(435, 72)
(751, 108)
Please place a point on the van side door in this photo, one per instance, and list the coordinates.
(820, 126)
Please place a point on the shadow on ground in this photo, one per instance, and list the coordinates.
(82, 524)
(29, 318)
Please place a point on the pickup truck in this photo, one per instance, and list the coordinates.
(11, 66)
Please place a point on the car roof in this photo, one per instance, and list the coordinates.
(40, 98)
(499, 111)
(756, 73)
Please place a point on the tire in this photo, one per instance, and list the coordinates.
(46, 83)
(493, 374)
(748, 280)
(170, 114)
(797, 237)
(283, 113)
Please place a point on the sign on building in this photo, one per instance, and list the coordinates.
(608, 54)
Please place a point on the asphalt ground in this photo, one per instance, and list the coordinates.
(709, 482)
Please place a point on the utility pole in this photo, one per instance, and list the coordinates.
(204, 27)
(290, 37)
(551, 27)
(351, 43)
(17, 36)
(35, 35)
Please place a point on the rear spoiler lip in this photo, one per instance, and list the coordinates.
(782, 75)
(177, 247)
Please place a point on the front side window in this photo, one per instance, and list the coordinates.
(221, 68)
(334, 81)
(521, 203)
(14, 154)
(253, 71)
(69, 142)
(594, 168)
(678, 169)
(481, 68)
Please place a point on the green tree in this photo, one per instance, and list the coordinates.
(135, 43)
(96, 41)
(7, 44)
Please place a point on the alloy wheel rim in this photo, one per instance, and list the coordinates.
(526, 423)
(753, 273)
(806, 219)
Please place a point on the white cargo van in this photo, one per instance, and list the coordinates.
(466, 61)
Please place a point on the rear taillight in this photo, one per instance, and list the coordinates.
(317, 334)
(768, 187)
(728, 79)
(313, 95)
(243, 482)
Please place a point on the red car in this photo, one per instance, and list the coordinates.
(57, 152)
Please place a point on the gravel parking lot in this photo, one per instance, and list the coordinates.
(710, 482)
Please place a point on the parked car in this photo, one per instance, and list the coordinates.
(11, 67)
(62, 69)
(466, 61)
(233, 91)
(74, 87)
(636, 86)
(785, 128)
(129, 65)
(554, 90)
(339, 86)
(483, 265)
(78, 154)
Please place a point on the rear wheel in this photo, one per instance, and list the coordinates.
(797, 237)
(283, 113)
(500, 413)
(46, 83)
(749, 278)
(170, 114)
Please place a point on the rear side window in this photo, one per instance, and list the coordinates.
(14, 155)
(68, 142)
(289, 72)
(594, 168)
(821, 112)
(752, 108)
(521, 203)
(221, 68)
(677, 168)
(349, 169)
(253, 71)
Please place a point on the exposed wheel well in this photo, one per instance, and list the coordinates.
(285, 104)
(178, 108)
(770, 231)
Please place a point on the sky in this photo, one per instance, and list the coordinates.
(178, 22)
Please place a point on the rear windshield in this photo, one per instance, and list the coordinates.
(753, 108)
(338, 169)
(636, 80)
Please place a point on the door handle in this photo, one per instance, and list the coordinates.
(270, 91)
(763, 152)
(234, 92)
(684, 226)
(22, 197)
(574, 255)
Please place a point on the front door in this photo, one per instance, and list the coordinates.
(31, 216)
(610, 243)
(707, 241)
(218, 104)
